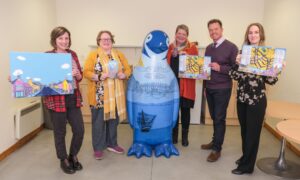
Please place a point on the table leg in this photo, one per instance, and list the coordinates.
(281, 162)
(280, 166)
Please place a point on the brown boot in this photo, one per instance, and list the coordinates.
(207, 146)
(213, 156)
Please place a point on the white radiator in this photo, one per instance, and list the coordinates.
(28, 118)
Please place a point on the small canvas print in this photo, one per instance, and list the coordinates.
(194, 67)
(262, 60)
(40, 74)
(112, 69)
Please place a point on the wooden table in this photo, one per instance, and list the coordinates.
(290, 130)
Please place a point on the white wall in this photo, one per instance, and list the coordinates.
(131, 20)
(282, 25)
(25, 26)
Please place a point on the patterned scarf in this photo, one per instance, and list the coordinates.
(114, 92)
(182, 46)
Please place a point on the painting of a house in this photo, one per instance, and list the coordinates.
(40, 74)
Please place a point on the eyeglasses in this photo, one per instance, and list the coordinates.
(105, 40)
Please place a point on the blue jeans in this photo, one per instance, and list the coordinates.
(218, 100)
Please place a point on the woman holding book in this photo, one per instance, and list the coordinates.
(251, 103)
(181, 46)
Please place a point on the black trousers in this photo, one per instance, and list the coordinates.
(185, 119)
(251, 119)
(73, 115)
(217, 100)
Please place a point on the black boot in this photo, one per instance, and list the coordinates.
(185, 141)
(175, 136)
(75, 163)
(66, 166)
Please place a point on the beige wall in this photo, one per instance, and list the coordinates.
(131, 20)
(281, 20)
(25, 26)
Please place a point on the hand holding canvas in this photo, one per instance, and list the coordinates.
(215, 66)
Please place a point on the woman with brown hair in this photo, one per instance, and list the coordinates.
(251, 102)
(65, 109)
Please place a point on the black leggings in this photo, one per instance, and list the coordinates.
(185, 118)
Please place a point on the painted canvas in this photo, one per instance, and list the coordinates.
(262, 60)
(40, 74)
(194, 67)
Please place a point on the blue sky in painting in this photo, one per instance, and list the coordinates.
(45, 68)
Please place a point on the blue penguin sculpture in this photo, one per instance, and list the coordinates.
(153, 100)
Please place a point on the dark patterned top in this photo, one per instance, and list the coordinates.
(251, 87)
(99, 86)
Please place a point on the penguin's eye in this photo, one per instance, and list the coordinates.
(148, 38)
(167, 41)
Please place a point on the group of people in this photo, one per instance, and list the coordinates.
(106, 95)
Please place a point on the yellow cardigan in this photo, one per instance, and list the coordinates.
(88, 72)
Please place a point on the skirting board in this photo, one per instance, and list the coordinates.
(21, 142)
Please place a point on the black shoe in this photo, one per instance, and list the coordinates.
(240, 172)
(238, 162)
(75, 163)
(185, 142)
(67, 167)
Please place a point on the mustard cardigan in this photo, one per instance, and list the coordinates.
(88, 73)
